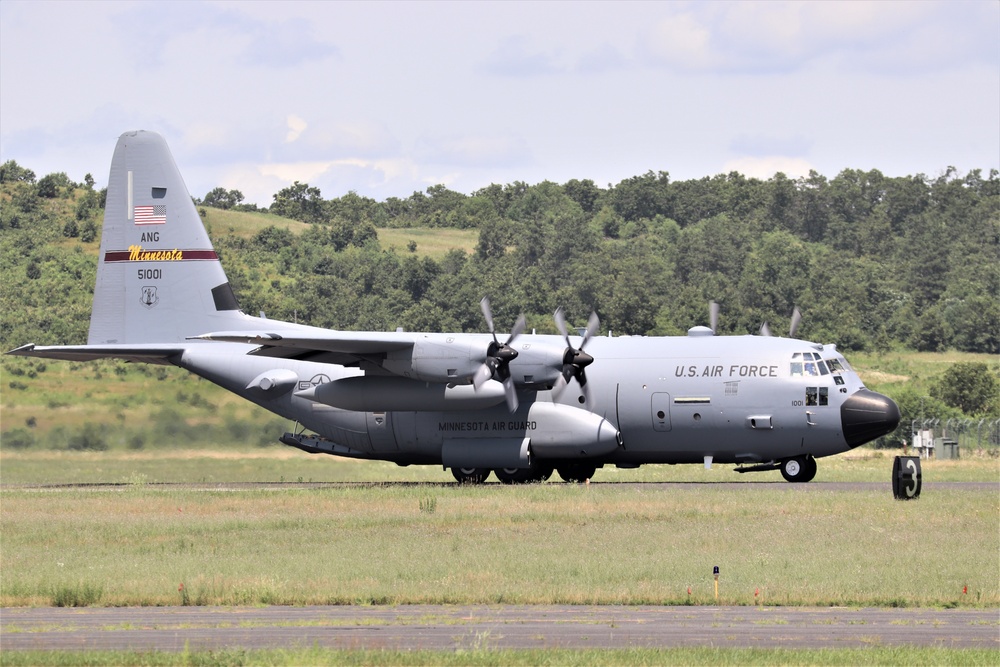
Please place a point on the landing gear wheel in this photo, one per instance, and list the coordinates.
(576, 473)
(523, 475)
(800, 469)
(470, 475)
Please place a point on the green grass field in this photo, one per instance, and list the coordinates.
(555, 543)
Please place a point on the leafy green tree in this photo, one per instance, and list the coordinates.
(88, 231)
(969, 386)
(49, 185)
(12, 172)
(584, 193)
(273, 239)
(299, 201)
(353, 208)
(643, 196)
(222, 198)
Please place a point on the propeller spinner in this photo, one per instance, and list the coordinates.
(575, 360)
(498, 357)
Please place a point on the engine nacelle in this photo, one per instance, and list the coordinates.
(537, 365)
(442, 358)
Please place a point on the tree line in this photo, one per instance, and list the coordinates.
(873, 262)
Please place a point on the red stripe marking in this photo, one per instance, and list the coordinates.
(123, 255)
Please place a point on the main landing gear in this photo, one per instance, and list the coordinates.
(536, 473)
(574, 473)
(470, 475)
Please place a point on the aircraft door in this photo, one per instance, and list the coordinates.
(380, 432)
(660, 411)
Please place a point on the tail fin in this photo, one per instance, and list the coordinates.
(159, 279)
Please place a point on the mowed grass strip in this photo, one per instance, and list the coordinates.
(874, 655)
(540, 544)
(181, 463)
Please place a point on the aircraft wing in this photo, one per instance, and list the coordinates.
(340, 347)
(151, 354)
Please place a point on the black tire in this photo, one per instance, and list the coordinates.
(535, 473)
(799, 469)
(470, 475)
(576, 473)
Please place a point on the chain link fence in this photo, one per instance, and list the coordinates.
(949, 438)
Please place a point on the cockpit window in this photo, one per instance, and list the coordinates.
(807, 364)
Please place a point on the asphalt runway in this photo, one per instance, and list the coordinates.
(811, 487)
(492, 627)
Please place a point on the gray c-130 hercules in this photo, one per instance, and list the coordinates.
(519, 405)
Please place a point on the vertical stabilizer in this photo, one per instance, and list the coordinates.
(158, 276)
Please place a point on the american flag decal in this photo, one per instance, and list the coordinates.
(151, 215)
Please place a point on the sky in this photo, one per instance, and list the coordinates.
(388, 98)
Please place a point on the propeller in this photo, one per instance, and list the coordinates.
(796, 318)
(575, 359)
(498, 357)
(713, 315)
(765, 330)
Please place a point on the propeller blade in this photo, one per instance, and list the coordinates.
(559, 387)
(561, 323)
(482, 376)
(765, 330)
(593, 326)
(511, 393)
(484, 305)
(518, 329)
(713, 315)
(796, 318)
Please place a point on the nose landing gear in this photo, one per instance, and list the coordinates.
(798, 469)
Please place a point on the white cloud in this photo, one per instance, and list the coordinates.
(288, 172)
(474, 150)
(766, 167)
(769, 37)
(295, 128)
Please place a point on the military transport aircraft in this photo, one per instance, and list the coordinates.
(520, 408)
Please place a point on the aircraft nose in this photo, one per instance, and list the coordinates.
(867, 415)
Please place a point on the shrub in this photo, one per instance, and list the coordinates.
(18, 438)
(91, 438)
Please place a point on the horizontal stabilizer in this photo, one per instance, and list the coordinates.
(144, 353)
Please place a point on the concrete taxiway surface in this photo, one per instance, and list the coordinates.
(495, 627)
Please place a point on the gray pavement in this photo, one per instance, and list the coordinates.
(492, 627)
